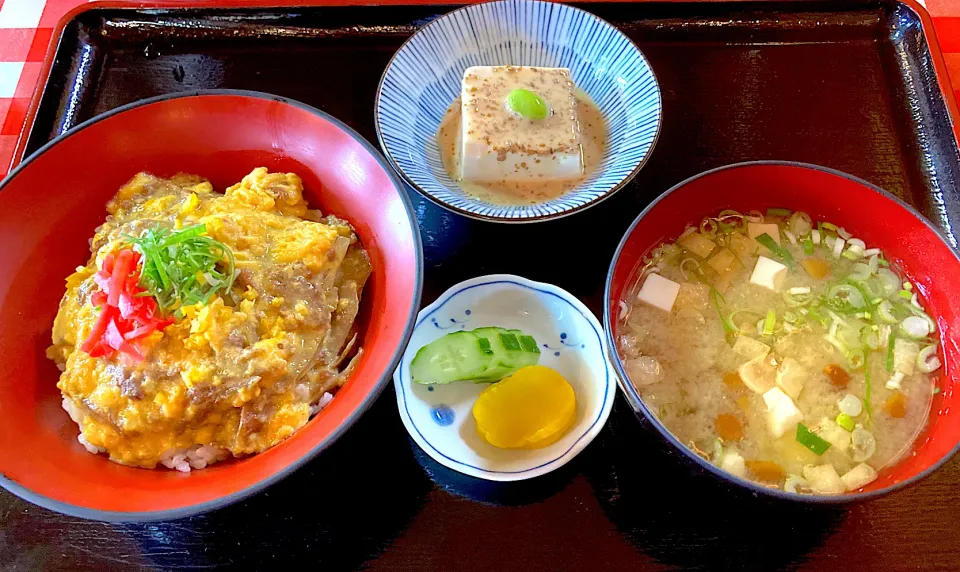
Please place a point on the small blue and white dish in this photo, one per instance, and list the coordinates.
(424, 78)
(439, 418)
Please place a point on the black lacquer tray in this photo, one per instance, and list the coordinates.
(847, 85)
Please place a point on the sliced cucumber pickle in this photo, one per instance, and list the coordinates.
(529, 344)
(481, 355)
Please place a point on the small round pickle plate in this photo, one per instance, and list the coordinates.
(439, 418)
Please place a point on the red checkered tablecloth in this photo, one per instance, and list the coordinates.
(26, 29)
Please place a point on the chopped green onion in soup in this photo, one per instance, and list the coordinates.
(803, 329)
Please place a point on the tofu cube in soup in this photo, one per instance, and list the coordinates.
(769, 273)
(791, 376)
(743, 247)
(723, 261)
(834, 434)
(782, 413)
(750, 348)
(824, 479)
(659, 292)
(797, 363)
(697, 244)
(759, 374)
(733, 463)
(693, 296)
(505, 143)
(755, 229)
(859, 477)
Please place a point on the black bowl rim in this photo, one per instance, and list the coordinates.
(630, 392)
(529, 220)
(170, 514)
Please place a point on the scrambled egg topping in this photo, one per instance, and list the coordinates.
(241, 372)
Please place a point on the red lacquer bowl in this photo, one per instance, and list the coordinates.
(875, 216)
(49, 208)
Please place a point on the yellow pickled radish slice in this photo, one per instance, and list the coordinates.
(553, 434)
(532, 408)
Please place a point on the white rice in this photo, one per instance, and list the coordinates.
(196, 457)
(325, 400)
(89, 446)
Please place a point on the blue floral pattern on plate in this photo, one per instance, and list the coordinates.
(439, 417)
(564, 343)
(451, 323)
(423, 79)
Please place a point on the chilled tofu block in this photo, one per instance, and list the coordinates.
(659, 292)
(755, 229)
(782, 414)
(500, 145)
(769, 274)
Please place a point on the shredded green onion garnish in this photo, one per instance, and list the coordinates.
(856, 358)
(180, 267)
(748, 319)
(864, 303)
(866, 381)
(846, 422)
(777, 250)
(769, 322)
(811, 440)
(796, 297)
(717, 297)
(817, 315)
(845, 298)
(890, 344)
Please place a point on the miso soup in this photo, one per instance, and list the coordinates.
(782, 350)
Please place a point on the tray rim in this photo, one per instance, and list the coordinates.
(43, 78)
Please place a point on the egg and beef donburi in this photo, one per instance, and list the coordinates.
(207, 325)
